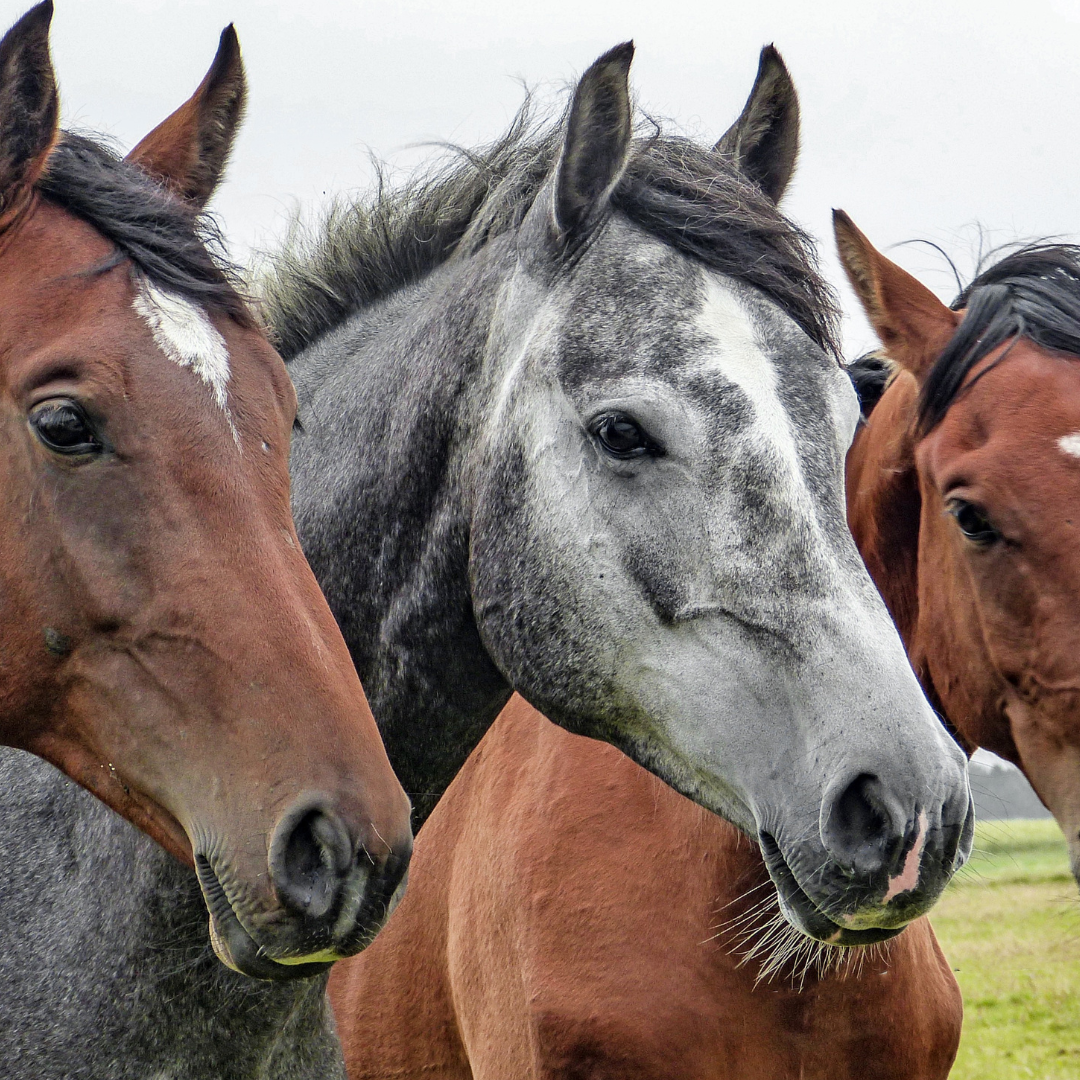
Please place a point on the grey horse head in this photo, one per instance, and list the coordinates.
(619, 411)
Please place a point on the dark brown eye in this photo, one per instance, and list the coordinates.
(973, 522)
(622, 437)
(64, 428)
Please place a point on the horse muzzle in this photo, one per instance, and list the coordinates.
(329, 898)
(876, 868)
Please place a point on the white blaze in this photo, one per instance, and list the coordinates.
(741, 360)
(1070, 444)
(185, 334)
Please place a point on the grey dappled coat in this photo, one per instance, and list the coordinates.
(106, 961)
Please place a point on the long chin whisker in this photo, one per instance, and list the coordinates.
(762, 935)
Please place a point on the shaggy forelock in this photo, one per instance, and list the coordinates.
(682, 193)
(1033, 293)
(177, 249)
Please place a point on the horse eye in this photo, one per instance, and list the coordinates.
(64, 427)
(973, 523)
(622, 437)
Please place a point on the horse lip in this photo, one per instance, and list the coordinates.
(803, 913)
(234, 946)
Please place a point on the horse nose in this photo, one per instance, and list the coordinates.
(864, 827)
(311, 856)
(339, 890)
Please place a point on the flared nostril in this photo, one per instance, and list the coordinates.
(311, 855)
(859, 829)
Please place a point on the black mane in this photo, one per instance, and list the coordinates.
(1033, 293)
(870, 374)
(680, 192)
(174, 247)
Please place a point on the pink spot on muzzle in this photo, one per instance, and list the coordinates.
(908, 877)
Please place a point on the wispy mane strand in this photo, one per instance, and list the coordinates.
(684, 194)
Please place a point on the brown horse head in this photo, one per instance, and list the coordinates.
(964, 498)
(164, 641)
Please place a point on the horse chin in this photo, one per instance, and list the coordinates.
(812, 922)
(236, 948)
(802, 913)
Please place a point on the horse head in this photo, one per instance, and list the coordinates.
(165, 643)
(960, 497)
(659, 554)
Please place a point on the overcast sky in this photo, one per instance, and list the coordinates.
(920, 119)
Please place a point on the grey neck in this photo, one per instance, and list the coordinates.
(107, 969)
(381, 505)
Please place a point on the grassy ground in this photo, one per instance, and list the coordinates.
(1010, 926)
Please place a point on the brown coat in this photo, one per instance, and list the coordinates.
(562, 921)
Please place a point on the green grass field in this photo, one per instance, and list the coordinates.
(1010, 926)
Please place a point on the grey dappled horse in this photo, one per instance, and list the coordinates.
(569, 423)
(588, 444)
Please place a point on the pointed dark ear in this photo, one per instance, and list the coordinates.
(597, 144)
(188, 150)
(912, 323)
(29, 104)
(764, 142)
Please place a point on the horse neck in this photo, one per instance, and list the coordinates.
(884, 512)
(910, 563)
(131, 987)
(382, 509)
(884, 504)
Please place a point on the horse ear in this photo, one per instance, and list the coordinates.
(597, 144)
(912, 323)
(764, 141)
(188, 150)
(29, 103)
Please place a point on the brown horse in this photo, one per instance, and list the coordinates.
(963, 493)
(164, 641)
(571, 916)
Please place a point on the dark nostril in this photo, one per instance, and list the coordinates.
(859, 830)
(310, 856)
